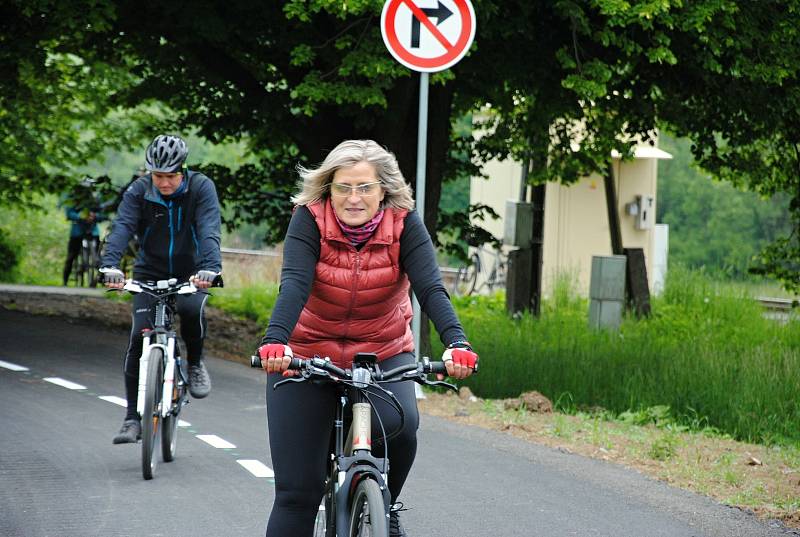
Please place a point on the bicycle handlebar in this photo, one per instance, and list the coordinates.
(325, 368)
(163, 287)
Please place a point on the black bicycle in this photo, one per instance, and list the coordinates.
(84, 266)
(356, 502)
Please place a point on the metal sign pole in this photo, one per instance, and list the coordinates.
(422, 144)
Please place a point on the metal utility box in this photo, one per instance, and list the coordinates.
(518, 224)
(607, 291)
(646, 213)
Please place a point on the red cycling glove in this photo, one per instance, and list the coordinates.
(462, 357)
(274, 350)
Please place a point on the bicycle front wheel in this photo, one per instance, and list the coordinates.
(325, 523)
(83, 271)
(467, 277)
(169, 429)
(151, 417)
(92, 264)
(368, 514)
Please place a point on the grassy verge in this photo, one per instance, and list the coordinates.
(707, 354)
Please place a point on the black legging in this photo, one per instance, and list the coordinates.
(193, 330)
(300, 420)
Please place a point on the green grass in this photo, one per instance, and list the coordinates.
(254, 302)
(707, 357)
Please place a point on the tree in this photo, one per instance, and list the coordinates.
(543, 78)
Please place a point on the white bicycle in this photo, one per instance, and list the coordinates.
(163, 378)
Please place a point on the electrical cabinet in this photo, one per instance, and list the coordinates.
(518, 229)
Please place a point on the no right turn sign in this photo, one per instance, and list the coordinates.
(428, 35)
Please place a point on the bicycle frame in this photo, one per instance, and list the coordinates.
(351, 459)
(160, 336)
(165, 339)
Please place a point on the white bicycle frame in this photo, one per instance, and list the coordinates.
(167, 347)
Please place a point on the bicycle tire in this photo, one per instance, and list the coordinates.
(467, 277)
(325, 523)
(92, 264)
(368, 512)
(151, 415)
(77, 272)
(169, 428)
(84, 265)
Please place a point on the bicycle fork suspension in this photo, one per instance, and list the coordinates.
(169, 374)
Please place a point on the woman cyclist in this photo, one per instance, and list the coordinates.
(353, 245)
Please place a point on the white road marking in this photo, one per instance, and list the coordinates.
(257, 468)
(64, 383)
(13, 367)
(114, 399)
(215, 441)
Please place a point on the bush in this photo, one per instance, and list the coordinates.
(9, 257)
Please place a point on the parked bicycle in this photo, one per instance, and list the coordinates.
(486, 270)
(163, 376)
(356, 502)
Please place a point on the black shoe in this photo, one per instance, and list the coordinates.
(395, 527)
(129, 433)
(199, 381)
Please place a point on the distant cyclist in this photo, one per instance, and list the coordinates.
(353, 245)
(84, 209)
(176, 214)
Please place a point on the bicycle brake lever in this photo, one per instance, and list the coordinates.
(289, 379)
(441, 383)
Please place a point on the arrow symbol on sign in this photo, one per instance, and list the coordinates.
(440, 13)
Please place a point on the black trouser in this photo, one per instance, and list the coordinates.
(193, 331)
(300, 420)
(73, 251)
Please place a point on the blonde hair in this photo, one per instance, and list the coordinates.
(314, 181)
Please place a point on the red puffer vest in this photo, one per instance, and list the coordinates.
(359, 300)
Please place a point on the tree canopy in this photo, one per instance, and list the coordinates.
(543, 79)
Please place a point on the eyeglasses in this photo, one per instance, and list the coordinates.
(367, 189)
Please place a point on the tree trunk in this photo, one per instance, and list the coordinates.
(613, 212)
(537, 246)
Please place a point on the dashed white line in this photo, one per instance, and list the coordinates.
(215, 441)
(120, 401)
(114, 399)
(64, 383)
(256, 467)
(12, 367)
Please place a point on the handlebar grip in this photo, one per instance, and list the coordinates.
(438, 367)
(296, 363)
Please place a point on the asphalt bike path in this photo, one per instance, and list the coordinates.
(61, 476)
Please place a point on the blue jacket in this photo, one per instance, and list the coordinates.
(178, 235)
(80, 226)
